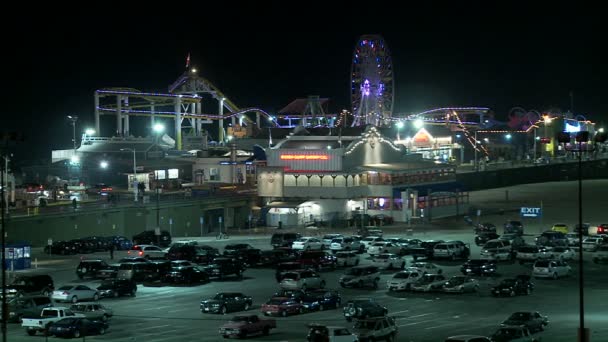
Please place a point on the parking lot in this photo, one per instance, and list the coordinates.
(172, 313)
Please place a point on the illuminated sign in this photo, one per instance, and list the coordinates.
(173, 173)
(572, 128)
(422, 137)
(304, 157)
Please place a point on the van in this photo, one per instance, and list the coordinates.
(136, 271)
(283, 239)
(497, 250)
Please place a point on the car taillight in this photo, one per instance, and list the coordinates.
(141, 252)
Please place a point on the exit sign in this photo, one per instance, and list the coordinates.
(531, 212)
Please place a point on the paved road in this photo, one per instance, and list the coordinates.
(172, 314)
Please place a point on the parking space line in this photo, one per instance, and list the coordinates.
(414, 323)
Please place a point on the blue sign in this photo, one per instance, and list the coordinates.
(531, 212)
(202, 220)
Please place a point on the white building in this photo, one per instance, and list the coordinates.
(327, 178)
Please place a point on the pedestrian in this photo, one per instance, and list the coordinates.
(112, 251)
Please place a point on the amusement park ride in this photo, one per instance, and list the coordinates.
(372, 100)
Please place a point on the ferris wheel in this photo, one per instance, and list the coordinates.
(372, 83)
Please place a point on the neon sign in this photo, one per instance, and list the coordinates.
(304, 157)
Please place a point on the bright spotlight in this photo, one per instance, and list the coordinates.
(103, 164)
(75, 159)
(508, 136)
(418, 123)
(486, 139)
(158, 128)
(89, 131)
(601, 130)
(400, 124)
(230, 137)
(194, 70)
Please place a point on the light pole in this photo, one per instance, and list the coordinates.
(475, 148)
(581, 137)
(399, 127)
(135, 190)
(73, 119)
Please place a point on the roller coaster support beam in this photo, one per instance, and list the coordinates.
(178, 123)
(221, 122)
(96, 99)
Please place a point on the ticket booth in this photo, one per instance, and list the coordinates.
(18, 256)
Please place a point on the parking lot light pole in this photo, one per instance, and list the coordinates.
(135, 190)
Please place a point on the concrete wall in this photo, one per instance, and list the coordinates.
(594, 169)
(128, 221)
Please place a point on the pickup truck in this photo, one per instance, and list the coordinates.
(242, 326)
(47, 317)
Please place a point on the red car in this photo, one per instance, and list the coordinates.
(282, 306)
(602, 228)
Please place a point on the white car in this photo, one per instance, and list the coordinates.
(429, 282)
(573, 239)
(335, 334)
(384, 247)
(368, 241)
(550, 269)
(328, 238)
(388, 261)
(562, 253)
(497, 250)
(302, 280)
(533, 253)
(74, 293)
(404, 279)
(427, 267)
(147, 251)
(461, 284)
(346, 244)
(591, 244)
(307, 243)
(348, 258)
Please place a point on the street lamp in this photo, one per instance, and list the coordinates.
(134, 170)
(418, 123)
(103, 164)
(89, 132)
(399, 127)
(73, 119)
(580, 138)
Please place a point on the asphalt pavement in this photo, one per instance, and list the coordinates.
(172, 313)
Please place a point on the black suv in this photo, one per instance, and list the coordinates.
(514, 286)
(222, 267)
(117, 287)
(514, 227)
(89, 268)
(283, 239)
(478, 267)
(149, 238)
(198, 254)
(186, 275)
(244, 252)
(363, 309)
(226, 301)
(31, 285)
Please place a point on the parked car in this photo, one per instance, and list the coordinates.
(346, 244)
(243, 326)
(497, 250)
(461, 284)
(363, 309)
(224, 302)
(317, 260)
(602, 229)
(485, 228)
(426, 249)
(90, 268)
(551, 269)
(428, 283)
(514, 227)
(573, 239)
(283, 239)
(378, 248)
(116, 288)
(382, 219)
(60, 247)
(370, 240)
(321, 299)
(515, 240)
(403, 280)
(328, 333)
(27, 306)
(451, 249)
(534, 321)
(149, 237)
(136, 271)
(92, 311)
(147, 251)
(388, 261)
(186, 275)
(303, 280)
(552, 238)
(513, 334)
(77, 327)
(281, 306)
(347, 259)
(375, 329)
(308, 243)
(560, 227)
(591, 244)
(467, 338)
(482, 238)
(121, 243)
(513, 286)
(562, 253)
(406, 244)
(360, 220)
(360, 276)
(243, 252)
(222, 267)
(45, 319)
(273, 257)
(328, 238)
(74, 293)
(200, 254)
(532, 253)
(482, 267)
(601, 255)
(585, 229)
(426, 267)
(23, 285)
(285, 267)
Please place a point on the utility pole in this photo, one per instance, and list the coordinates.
(3, 170)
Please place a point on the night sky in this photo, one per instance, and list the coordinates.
(265, 57)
